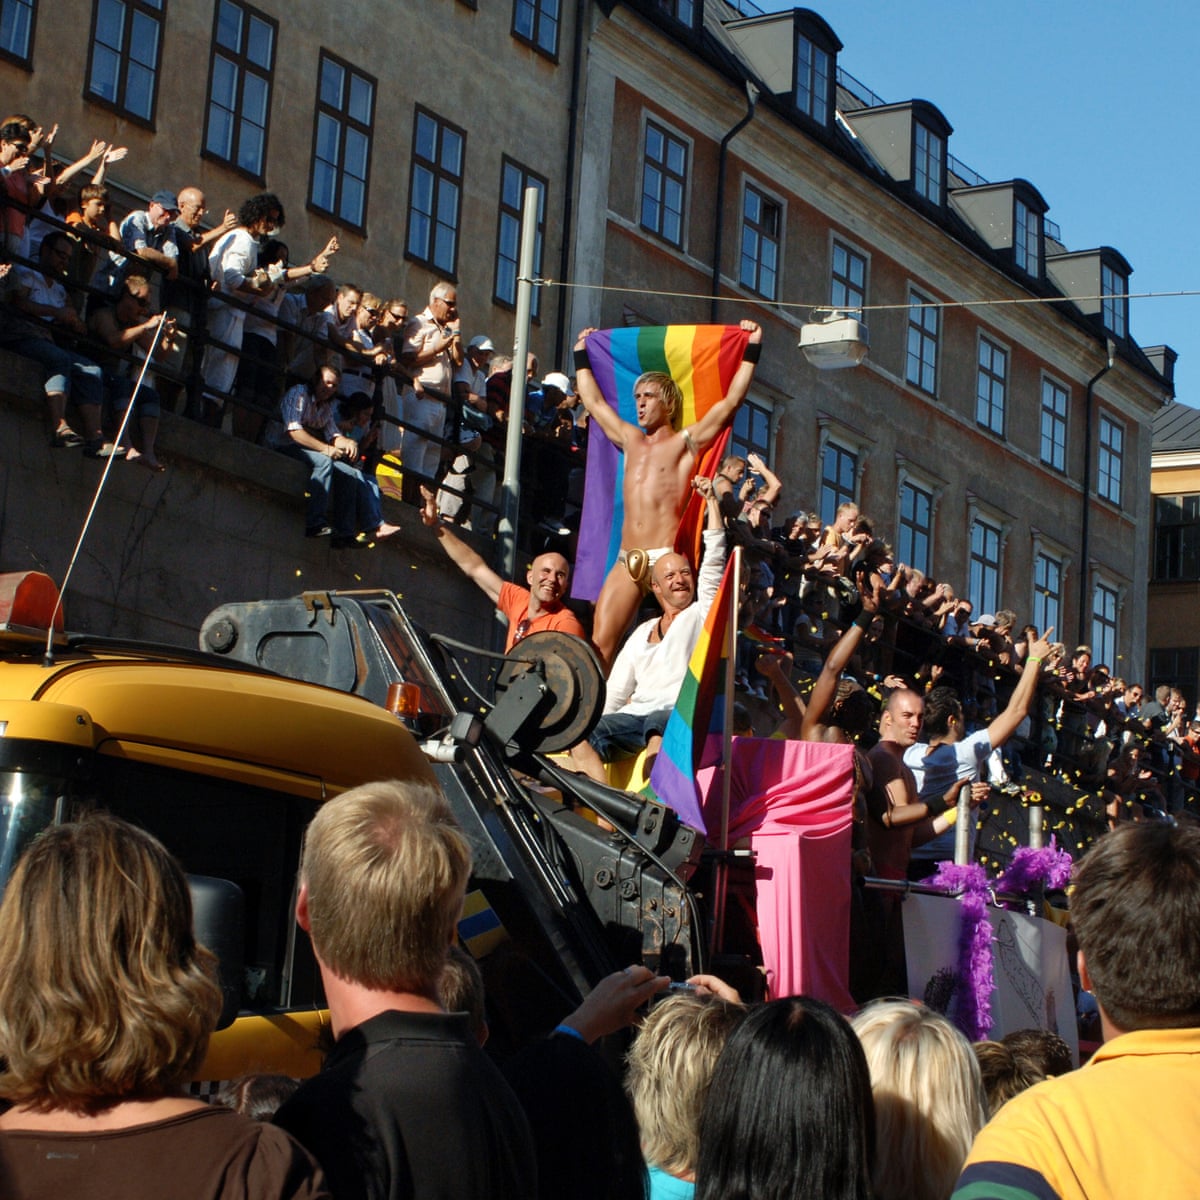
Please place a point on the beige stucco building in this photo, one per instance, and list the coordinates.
(1173, 612)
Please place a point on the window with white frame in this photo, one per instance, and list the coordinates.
(1047, 591)
(514, 179)
(914, 531)
(923, 330)
(761, 223)
(239, 86)
(839, 479)
(848, 277)
(1111, 455)
(341, 162)
(1105, 600)
(991, 383)
(929, 162)
(1055, 399)
(664, 183)
(435, 192)
(814, 66)
(1114, 305)
(536, 22)
(1027, 239)
(16, 30)
(983, 588)
(125, 56)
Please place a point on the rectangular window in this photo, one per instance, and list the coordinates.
(664, 184)
(813, 66)
(1177, 537)
(915, 532)
(848, 278)
(1174, 667)
(923, 322)
(761, 221)
(1047, 591)
(990, 382)
(239, 86)
(514, 179)
(1114, 307)
(125, 56)
(1108, 464)
(1027, 239)
(1054, 425)
(684, 11)
(929, 160)
(839, 475)
(16, 30)
(984, 584)
(536, 22)
(341, 162)
(1104, 625)
(435, 192)
(751, 431)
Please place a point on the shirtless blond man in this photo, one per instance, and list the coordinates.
(660, 462)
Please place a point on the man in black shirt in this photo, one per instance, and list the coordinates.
(407, 1104)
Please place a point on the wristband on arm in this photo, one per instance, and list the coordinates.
(582, 362)
(752, 352)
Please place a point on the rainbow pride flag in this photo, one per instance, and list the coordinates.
(694, 735)
(702, 359)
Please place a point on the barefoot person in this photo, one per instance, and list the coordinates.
(660, 462)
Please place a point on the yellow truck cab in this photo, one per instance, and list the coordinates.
(224, 763)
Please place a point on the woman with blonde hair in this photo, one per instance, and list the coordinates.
(929, 1101)
(106, 1007)
(668, 1070)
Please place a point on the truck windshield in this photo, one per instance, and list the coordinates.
(28, 803)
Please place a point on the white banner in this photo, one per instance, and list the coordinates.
(1029, 967)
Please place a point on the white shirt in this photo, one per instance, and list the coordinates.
(646, 677)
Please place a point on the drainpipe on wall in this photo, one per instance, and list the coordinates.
(1085, 523)
(564, 261)
(751, 101)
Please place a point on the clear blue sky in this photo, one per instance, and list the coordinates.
(1095, 102)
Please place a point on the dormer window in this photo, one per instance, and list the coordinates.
(1097, 283)
(1027, 239)
(1010, 218)
(929, 163)
(814, 71)
(908, 142)
(683, 11)
(794, 54)
(1114, 305)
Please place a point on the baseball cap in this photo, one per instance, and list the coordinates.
(165, 199)
(556, 379)
(481, 341)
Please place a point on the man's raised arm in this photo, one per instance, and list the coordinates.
(1005, 725)
(715, 419)
(464, 558)
(592, 398)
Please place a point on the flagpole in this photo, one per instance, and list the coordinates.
(721, 875)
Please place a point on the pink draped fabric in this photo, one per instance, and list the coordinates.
(794, 801)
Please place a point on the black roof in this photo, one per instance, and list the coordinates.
(1176, 427)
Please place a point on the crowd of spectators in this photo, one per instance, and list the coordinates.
(234, 321)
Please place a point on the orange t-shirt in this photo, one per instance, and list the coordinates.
(514, 604)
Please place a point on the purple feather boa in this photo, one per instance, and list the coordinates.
(976, 982)
(1049, 867)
